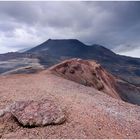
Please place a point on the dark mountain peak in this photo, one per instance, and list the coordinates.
(74, 41)
(66, 40)
(59, 48)
(56, 45)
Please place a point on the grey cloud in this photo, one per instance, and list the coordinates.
(113, 24)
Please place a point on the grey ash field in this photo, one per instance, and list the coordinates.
(66, 89)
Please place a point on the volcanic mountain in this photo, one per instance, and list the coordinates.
(53, 51)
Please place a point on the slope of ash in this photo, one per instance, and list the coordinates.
(89, 112)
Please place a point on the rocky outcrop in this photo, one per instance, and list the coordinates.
(36, 113)
(88, 73)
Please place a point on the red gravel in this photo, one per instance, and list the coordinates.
(89, 113)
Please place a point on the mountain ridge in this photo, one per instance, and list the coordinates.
(54, 51)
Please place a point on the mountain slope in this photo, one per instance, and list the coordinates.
(125, 67)
(71, 48)
(90, 73)
(89, 113)
(87, 73)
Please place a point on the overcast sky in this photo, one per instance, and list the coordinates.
(116, 25)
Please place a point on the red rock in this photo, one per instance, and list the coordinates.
(34, 113)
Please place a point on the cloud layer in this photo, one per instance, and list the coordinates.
(115, 25)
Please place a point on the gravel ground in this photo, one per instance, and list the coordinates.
(89, 113)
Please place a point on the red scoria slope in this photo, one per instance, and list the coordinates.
(89, 112)
(87, 73)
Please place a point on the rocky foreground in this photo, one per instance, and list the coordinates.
(50, 105)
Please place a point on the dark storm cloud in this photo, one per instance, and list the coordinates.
(113, 24)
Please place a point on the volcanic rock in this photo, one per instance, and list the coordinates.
(34, 113)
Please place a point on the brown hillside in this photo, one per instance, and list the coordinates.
(87, 73)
